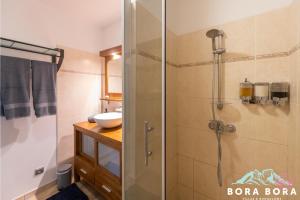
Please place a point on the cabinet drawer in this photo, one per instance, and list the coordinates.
(85, 169)
(108, 188)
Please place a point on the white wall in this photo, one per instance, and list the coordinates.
(188, 16)
(112, 35)
(29, 143)
(39, 22)
(26, 144)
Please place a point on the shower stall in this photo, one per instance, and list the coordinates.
(188, 131)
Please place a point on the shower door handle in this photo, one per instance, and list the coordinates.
(147, 130)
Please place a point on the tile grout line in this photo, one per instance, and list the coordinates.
(226, 60)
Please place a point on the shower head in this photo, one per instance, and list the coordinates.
(213, 33)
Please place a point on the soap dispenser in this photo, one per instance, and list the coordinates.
(280, 93)
(261, 93)
(246, 91)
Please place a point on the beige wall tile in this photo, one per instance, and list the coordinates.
(171, 146)
(298, 75)
(148, 39)
(185, 193)
(239, 40)
(172, 173)
(274, 156)
(171, 108)
(148, 75)
(185, 141)
(243, 155)
(198, 196)
(172, 194)
(297, 149)
(196, 144)
(269, 38)
(171, 83)
(278, 70)
(194, 47)
(233, 74)
(237, 154)
(295, 17)
(297, 8)
(273, 70)
(193, 112)
(205, 147)
(194, 81)
(205, 181)
(293, 59)
(171, 50)
(185, 171)
(293, 149)
(274, 124)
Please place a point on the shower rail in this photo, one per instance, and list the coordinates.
(37, 49)
(218, 125)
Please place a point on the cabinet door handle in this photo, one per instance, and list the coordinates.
(147, 130)
(83, 171)
(106, 188)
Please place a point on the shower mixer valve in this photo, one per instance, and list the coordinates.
(219, 125)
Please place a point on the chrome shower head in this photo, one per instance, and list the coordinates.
(213, 33)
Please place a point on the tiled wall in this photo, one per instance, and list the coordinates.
(261, 48)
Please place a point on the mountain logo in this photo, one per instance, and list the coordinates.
(266, 177)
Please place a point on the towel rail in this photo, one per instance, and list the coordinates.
(21, 46)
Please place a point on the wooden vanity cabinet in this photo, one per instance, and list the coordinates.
(98, 158)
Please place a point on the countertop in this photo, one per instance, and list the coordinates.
(92, 129)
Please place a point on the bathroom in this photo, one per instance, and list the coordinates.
(198, 91)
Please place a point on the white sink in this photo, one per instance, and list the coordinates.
(109, 120)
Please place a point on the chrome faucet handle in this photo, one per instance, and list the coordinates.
(212, 124)
(230, 128)
(219, 125)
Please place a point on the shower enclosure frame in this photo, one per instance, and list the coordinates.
(125, 89)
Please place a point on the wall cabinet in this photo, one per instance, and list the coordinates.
(98, 154)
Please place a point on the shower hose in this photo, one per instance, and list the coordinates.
(216, 63)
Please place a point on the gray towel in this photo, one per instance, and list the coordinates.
(15, 93)
(44, 88)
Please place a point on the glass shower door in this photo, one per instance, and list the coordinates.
(143, 158)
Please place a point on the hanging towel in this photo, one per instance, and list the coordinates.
(44, 88)
(15, 93)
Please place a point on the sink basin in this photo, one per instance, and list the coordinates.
(109, 120)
